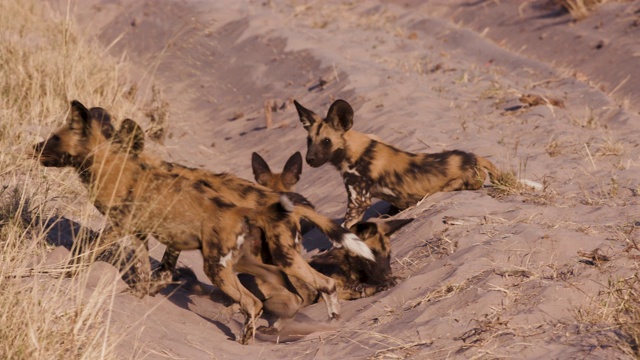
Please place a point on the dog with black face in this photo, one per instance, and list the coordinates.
(372, 168)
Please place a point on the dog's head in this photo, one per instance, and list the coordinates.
(71, 144)
(377, 237)
(282, 182)
(325, 139)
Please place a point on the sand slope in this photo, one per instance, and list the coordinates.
(505, 277)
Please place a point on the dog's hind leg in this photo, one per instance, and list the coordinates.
(297, 267)
(219, 269)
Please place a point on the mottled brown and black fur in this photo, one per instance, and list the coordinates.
(240, 192)
(371, 168)
(183, 208)
(355, 277)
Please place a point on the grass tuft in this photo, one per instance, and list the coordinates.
(617, 309)
(45, 63)
(579, 9)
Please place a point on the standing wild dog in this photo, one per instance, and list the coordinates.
(281, 182)
(240, 192)
(355, 277)
(144, 196)
(371, 168)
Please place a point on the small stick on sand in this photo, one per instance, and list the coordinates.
(268, 109)
(590, 157)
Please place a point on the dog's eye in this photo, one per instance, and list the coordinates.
(326, 141)
(55, 138)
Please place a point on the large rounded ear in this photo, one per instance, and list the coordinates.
(292, 170)
(261, 171)
(388, 227)
(104, 118)
(130, 136)
(340, 115)
(307, 117)
(364, 230)
(79, 118)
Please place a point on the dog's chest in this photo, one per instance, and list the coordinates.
(360, 183)
(386, 185)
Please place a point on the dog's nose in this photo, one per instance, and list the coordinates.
(311, 160)
(37, 148)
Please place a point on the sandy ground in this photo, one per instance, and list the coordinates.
(510, 277)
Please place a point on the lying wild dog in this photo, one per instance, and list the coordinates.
(355, 277)
(144, 196)
(281, 182)
(371, 168)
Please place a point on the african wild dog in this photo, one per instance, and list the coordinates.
(371, 168)
(239, 192)
(356, 278)
(281, 182)
(144, 196)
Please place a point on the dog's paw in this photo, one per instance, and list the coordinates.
(268, 330)
(140, 290)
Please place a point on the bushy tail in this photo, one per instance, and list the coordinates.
(488, 166)
(495, 174)
(336, 233)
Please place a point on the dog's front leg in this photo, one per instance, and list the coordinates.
(169, 261)
(359, 199)
(105, 247)
(141, 267)
(220, 271)
(157, 279)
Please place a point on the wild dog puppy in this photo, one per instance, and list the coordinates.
(355, 277)
(371, 168)
(183, 208)
(282, 182)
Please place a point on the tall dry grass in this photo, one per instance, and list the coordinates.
(44, 63)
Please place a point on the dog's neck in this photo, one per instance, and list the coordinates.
(106, 173)
(355, 144)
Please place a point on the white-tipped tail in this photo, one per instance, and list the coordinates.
(354, 244)
(532, 184)
(286, 203)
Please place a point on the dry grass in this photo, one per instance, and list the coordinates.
(610, 147)
(507, 183)
(617, 308)
(579, 9)
(43, 65)
(158, 115)
(443, 292)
